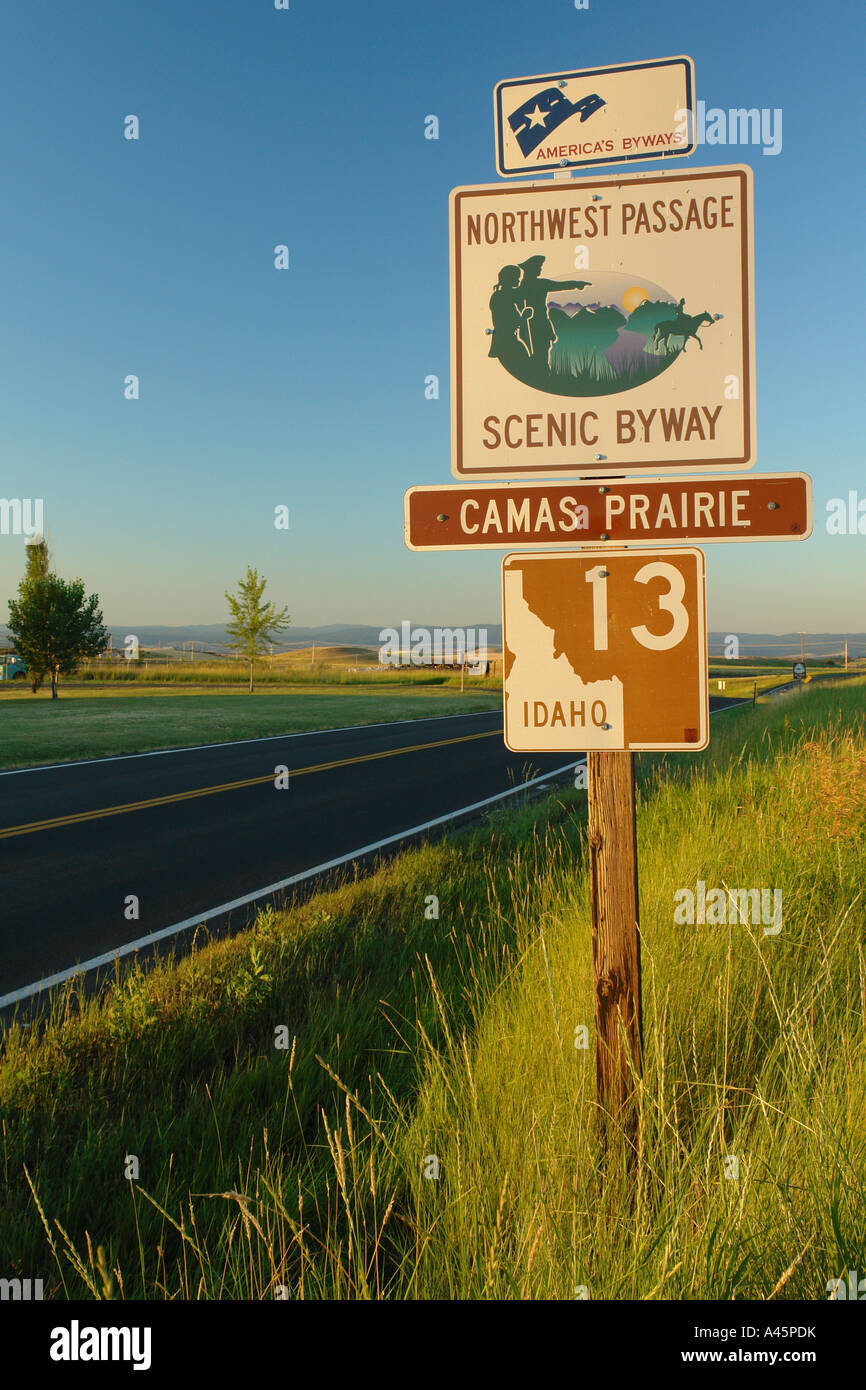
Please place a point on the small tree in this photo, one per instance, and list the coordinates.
(253, 622)
(37, 568)
(55, 626)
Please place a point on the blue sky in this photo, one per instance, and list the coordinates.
(306, 387)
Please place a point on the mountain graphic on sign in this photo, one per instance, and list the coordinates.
(625, 331)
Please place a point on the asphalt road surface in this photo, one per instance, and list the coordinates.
(204, 834)
(190, 831)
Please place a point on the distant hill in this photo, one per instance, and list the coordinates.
(787, 644)
(213, 636)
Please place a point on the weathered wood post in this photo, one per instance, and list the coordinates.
(615, 935)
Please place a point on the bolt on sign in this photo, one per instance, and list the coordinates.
(595, 116)
(603, 326)
(761, 507)
(605, 650)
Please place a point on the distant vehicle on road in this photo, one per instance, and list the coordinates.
(12, 668)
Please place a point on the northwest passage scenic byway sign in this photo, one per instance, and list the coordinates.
(605, 650)
(603, 325)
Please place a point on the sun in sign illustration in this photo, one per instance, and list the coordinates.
(633, 297)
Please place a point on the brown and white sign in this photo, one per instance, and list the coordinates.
(603, 325)
(605, 651)
(608, 115)
(760, 507)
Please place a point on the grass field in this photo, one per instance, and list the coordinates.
(741, 687)
(37, 729)
(290, 1094)
(780, 669)
(98, 720)
(337, 665)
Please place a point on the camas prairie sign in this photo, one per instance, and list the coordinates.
(603, 326)
(761, 507)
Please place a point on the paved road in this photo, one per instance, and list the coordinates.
(196, 834)
(190, 830)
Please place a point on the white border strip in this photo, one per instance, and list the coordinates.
(17, 995)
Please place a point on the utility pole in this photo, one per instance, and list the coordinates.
(802, 650)
(846, 653)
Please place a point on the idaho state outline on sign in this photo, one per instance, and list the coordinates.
(603, 326)
(605, 650)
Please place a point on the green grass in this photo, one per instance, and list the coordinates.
(37, 729)
(591, 374)
(412, 1036)
(740, 687)
(281, 673)
(779, 667)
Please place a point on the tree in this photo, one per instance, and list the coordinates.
(37, 559)
(37, 568)
(54, 625)
(253, 622)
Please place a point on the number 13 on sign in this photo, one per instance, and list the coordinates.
(605, 650)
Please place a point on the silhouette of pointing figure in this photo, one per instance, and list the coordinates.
(508, 315)
(534, 291)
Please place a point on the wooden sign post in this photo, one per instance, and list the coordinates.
(605, 651)
(615, 929)
(587, 376)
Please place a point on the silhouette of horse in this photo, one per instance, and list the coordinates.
(685, 327)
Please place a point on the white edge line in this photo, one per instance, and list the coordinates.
(17, 995)
(237, 742)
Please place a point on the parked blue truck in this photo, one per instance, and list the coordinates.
(12, 668)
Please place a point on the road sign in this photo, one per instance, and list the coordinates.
(762, 506)
(605, 650)
(603, 326)
(595, 116)
(799, 670)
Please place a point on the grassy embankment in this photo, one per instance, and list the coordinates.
(411, 1037)
(100, 722)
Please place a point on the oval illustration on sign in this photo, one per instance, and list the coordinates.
(587, 337)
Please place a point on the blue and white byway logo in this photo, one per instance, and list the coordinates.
(594, 116)
(541, 114)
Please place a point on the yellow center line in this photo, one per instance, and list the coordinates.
(79, 816)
